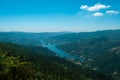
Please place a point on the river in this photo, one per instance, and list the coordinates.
(61, 53)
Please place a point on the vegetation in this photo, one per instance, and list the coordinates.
(12, 68)
(76, 37)
(99, 54)
(29, 39)
(26, 60)
(37, 63)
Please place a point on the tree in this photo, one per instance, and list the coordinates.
(12, 68)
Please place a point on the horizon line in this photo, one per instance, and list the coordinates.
(59, 31)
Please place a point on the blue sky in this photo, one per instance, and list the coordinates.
(59, 15)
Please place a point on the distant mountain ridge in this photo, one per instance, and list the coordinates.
(101, 50)
(26, 38)
(73, 37)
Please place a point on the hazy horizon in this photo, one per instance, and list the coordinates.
(58, 31)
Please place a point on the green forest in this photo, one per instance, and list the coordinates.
(36, 63)
(22, 56)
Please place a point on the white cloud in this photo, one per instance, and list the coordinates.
(84, 7)
(95, 10)
(112, 12)
(98, 14)
(96, 7)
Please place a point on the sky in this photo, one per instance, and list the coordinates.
(59, 15)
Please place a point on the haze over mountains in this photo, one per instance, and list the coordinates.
(100, 50)
(73, 37)
(54, 37)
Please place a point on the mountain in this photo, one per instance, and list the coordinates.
(19, 62)
(99, 54)
(55, 37)
(74, 37)
(100, 51)
(25, 38)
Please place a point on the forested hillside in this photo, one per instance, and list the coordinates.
(55, 37)
(100, 54)
(37, 63)
(74, 37)
(100, 51)
(25, 38)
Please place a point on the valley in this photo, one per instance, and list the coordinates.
(57, 56)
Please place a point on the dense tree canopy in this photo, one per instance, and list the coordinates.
(36, 66)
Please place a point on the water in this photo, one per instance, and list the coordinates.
(61, 53)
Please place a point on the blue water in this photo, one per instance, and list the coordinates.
(61, 53)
